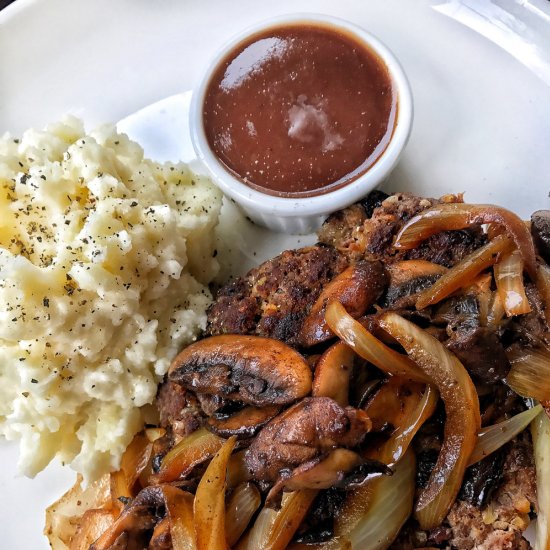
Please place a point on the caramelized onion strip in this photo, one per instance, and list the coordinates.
(64, 516)
(153, 434)
(237, 471)
(543, 286)
(91, 525)
(540, 431)
(509, 280)
(445, 217)
(358, 338)
(462, 416)
(373, 515)
(209, 505)
(492, 438)
(179, 509)
(464, 271)
(274, 529)
(529, 375)
(364, 516)
(400, 440)
(394, 404)
(193, 449)
(134, 461)
(481, 288)
(496, 312)
(242, 505)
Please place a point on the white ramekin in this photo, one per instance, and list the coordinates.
(302, 215)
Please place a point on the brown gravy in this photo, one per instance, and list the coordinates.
(300, 110)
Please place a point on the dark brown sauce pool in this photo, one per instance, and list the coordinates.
(300, 110)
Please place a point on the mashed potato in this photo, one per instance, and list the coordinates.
(104, 258)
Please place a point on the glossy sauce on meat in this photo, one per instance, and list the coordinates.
(300, 110)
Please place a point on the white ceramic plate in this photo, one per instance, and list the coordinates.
(479, 70)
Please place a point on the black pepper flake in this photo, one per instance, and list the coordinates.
(133, 203)
(69, 289)
(34, 381)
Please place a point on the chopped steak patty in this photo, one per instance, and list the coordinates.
(273, 299)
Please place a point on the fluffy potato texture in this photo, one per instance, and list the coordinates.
(104, 261)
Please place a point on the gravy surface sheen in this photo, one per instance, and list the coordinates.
(300, 110)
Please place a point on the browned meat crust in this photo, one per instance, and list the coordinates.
(273, 299)
(180, 414)
(358, 236)
(179, 409)
(340, 227)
